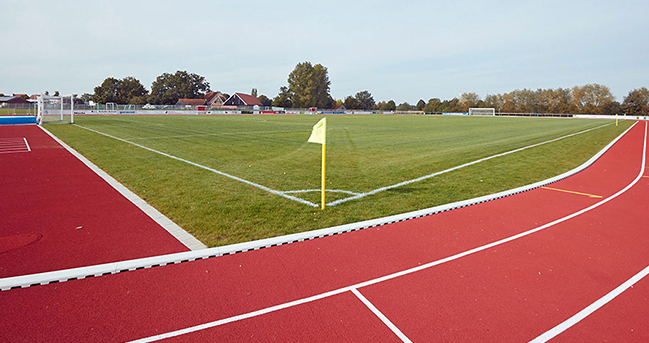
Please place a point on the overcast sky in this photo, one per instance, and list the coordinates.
(403, 51)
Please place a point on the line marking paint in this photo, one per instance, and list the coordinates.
(572, 192)
(646, 176)
(174, 229)
(27, 144)
(404, 183)
(63, 275)
(381, 316)
(403, 272)
(550, 334)
(267, 189)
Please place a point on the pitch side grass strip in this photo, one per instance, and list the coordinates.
(183, 236)
(407, 271)
(404, 183)
(267, 189)
(117, 267)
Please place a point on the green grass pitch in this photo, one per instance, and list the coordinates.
(363, 153)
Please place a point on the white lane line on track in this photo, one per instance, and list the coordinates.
(264, 188)
(550, 334)
(381, 316)
(403, 272)
(568, 323)
(27, 144)
(404, 183)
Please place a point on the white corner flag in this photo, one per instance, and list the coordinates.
(319, 135)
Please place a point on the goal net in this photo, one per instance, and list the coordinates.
(55, 109)
(482, 111)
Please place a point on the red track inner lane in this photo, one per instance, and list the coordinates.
(148, 302)
(80, 219)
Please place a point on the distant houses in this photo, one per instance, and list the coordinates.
(218, 100)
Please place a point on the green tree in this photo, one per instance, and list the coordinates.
(421, 104)
(283, 99)
(404, 107)
(351, 103)
(388, 106)
(364, 100)
(265, 100)
(637, 102)
(108, 91)
(168, 88)
(128, 90)
(433, 105)
(308, 86)
(468, 100)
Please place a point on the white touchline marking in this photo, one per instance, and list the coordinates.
(550, 334)
(403, 272)
(381, 316)
(404, 183)
(27, 145)
(568, 323)
(269, 190)
(319, 190)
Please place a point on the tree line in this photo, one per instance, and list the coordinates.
(308, 86)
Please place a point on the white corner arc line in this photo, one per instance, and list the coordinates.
(262, 187)
(27, 145)
(381, 316)
(568, 323)
(403, 272)
(421, 178)
(179, 233)
(116, 267)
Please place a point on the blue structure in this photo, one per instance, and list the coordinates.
(15, 120)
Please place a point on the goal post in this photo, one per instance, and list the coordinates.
(482, 111)
(55, 109)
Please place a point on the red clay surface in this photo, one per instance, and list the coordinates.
(511, 292)
(57, 213)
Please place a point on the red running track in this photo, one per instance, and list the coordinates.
(57, 213)
(514, 291)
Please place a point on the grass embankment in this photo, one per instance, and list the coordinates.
(363, 153)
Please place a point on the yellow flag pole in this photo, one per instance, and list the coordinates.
(324, 153)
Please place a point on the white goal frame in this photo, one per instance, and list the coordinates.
(482, 111)
(41, 106)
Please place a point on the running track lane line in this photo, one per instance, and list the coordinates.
(550, 334)
(117, 267)
(381, 316)
(401, 273)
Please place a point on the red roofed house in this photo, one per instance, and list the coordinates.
(242, 100)
(214, 99)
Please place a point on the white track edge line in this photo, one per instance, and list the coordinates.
(401, 273)
(115, 267)
(568, 323)
(176, 231)
(381, 316)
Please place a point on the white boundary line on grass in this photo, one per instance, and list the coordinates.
(403, 272)
(404, 183)
(148, 262)
(262, 187)
(183, 236)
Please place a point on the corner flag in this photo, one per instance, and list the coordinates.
(319, 135)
